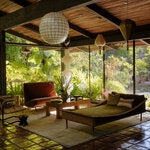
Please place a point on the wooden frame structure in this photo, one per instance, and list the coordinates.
(87, 19)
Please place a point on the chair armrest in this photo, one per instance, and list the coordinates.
(5, 96)
(55, 97)
(8, 100)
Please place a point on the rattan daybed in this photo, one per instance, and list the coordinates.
(94, 116)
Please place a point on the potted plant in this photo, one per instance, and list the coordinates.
(66, 89)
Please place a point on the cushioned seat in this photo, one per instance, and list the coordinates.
(102, 111)
(37, 93)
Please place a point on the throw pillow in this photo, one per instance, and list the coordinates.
(125, 102)
(113, 99)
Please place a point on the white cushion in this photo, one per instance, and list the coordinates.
(125, 102)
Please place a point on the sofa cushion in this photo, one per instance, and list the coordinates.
(102, 111)
(113, 99)
(125, 102)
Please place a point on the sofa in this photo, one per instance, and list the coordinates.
(117, 106)
(37, 93)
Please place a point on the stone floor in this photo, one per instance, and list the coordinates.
(133, 138)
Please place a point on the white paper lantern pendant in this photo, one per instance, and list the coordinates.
(54, 28)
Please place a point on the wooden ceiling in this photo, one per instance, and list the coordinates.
(87, 19)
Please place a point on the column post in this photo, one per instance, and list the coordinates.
(2, 63)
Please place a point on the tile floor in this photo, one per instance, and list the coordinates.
(133, 138)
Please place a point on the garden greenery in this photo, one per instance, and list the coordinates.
(45, 65)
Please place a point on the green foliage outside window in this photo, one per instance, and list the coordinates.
(45, 65)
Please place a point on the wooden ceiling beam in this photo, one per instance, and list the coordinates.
(141, 32)
(105, 14)
(146, 41)
(31, 27)
(82, 31)
(2, 13)
(22, 3)
(38, 10)
(112, 36)
(33, 45)
(34, 28)
(84, 49)
(26, 37)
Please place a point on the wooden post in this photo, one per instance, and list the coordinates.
(2, 63)
(89, 71)
(62, 65)
(133, 67)
(104, 68)
(62, 55)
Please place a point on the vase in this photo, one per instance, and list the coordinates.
(64, 97)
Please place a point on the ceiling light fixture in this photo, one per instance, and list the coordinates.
(127, 27)
(54, 28)
(100, 41)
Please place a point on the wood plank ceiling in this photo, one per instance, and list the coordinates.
(87, 19)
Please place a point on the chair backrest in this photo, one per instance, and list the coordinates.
(38, 90)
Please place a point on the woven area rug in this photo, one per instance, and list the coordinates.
(55, 129)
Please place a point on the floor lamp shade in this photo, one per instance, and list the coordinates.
(54, 28)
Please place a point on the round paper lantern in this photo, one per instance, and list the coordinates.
(54, 28)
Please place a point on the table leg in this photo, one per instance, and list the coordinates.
(47, 109)
(58, 112)
(66, 123)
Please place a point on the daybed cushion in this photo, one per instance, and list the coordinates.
(102, 111)
(126, 102)
(137, 98)
(113, 99)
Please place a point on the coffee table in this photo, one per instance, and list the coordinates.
(60, 106)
